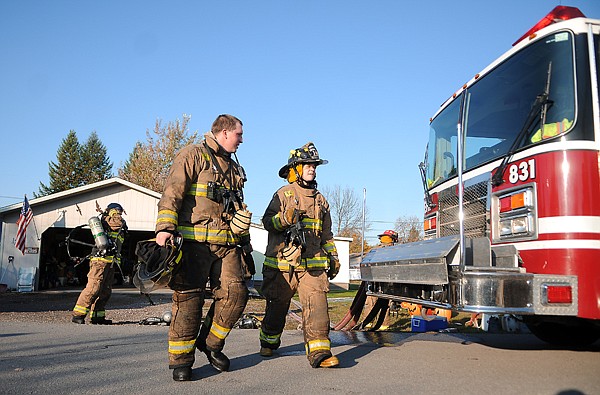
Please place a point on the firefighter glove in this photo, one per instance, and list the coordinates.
(248, 259)
(334, 267)
(291, 253)
(290, 216)
(240, 223)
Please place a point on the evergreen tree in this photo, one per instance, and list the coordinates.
(96, 165)
(65, 173)
(77, 165)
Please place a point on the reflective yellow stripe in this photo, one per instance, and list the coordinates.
(214, 236)
(219, 331)
(313, 224)
(201, 190)
(330, 247)
(318, 345)
(197, 190)
(271, 339)
(167, 216)
(106, 259)
(317, 262)
(81, 310)
(276, 221)
(183, 347)
(117, 235)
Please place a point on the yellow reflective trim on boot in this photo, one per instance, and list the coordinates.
(182, 347)
(271, 339)
(317, 345)
(219, 331)
(81, 310)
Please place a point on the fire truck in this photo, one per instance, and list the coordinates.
(512, 191)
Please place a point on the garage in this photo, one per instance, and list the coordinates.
(63, 214)
(47, 263)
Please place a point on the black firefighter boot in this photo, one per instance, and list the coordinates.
(182, 374)
(216, 358)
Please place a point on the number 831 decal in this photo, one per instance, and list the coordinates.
(522, 171)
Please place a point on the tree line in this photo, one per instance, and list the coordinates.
(148, 165)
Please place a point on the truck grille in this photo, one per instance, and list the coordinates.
(475, 210)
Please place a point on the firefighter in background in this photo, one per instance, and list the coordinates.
(109, 231)
(376, 310)
(300, 256)
(203, 201)
(381, 309)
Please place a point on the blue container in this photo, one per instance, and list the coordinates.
(419, 324)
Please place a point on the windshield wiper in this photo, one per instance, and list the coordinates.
(428, 199)
(540, 106)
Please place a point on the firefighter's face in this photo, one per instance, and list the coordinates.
(309, 172)
(231, 139)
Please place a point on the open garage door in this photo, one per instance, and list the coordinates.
(60, 268)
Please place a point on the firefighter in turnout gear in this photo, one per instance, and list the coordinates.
(300, 256)
(203, 201)
(109, 233)
(375, 316)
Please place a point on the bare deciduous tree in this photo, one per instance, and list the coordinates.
(346, 214)
(149, 163)
(409, 228)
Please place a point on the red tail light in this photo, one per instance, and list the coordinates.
(559, 294)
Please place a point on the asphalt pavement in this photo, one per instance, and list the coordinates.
(88, 359)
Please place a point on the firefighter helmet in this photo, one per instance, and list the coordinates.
(156, 263)
(306, 154)
(391, 233)
(115, 206)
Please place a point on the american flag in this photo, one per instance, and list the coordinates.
(24, 220)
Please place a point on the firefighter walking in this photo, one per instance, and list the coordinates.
(300, 256)
(203, 201)
(109, 233)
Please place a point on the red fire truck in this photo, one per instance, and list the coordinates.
(512, 191)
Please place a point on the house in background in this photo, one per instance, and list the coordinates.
(59, 215)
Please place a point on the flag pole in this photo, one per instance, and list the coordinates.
(37, 235)
(362, 244)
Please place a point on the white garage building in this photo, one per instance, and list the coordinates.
(56, 216)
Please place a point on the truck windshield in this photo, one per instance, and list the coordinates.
(498, 105)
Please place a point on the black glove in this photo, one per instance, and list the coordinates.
(334, 267)
(248, 259)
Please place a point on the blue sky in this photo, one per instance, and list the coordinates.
(360, 79)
